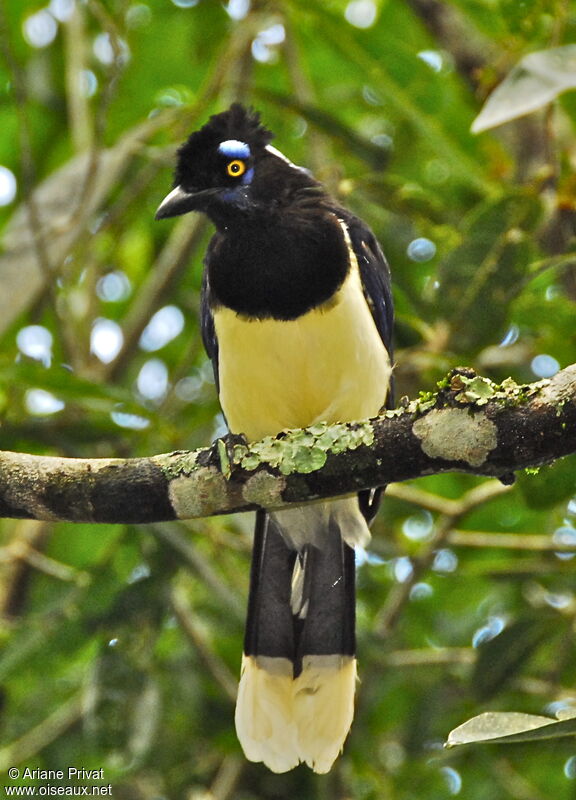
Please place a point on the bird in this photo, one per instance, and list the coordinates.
(297, 318)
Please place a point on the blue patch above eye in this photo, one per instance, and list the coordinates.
(232, 148)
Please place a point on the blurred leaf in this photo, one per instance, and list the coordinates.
(42, 233)
(550, 485)
(504, 656)
(63, 209)
(484, 273)
(509, 726)
(426, 122)
(533, 83)
(377, 157)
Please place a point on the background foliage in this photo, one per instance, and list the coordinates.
(121, 646)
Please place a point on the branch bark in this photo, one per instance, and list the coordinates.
(470, 425)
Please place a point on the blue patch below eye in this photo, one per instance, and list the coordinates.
(247, 177)
(235, 197)
(234, 149)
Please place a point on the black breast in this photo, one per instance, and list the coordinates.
(278, 267)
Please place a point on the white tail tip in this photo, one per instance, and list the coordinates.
(283, 721)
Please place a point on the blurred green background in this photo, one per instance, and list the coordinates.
(120, 646)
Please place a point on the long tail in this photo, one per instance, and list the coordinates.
(296, 694)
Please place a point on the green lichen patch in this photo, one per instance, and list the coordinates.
(306, 450)
(178, 463)
(424, 402)
(476, 390)
(340, 437)
(515, 394)
(466, 388)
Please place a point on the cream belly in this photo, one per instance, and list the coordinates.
(328, 365)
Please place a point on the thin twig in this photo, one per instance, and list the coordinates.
(304, 93)
(27, 165)
(27, 535)
(428, 656)
(104, 101)
(36, 739)
(420, 497)
(514, 784)
(171, 535)
(175, 258)
(400, 594)
(226, 780)
(537, 542)
(79, 116)
(214, 664)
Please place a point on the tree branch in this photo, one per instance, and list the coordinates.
(470, 425)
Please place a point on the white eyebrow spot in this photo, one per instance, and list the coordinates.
(234, 148)
(274, 152)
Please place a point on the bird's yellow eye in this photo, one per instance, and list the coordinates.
(236, 168)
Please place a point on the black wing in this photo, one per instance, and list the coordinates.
(207, 328)
(376, 282)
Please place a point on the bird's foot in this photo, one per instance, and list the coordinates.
(221, 452)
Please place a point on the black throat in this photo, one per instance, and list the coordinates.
(278, 265)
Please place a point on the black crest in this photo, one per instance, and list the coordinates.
(236, 123)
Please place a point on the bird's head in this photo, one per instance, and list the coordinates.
(228, 167)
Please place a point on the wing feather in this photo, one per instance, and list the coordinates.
(377, 287)
(207, 327)
(375, 275)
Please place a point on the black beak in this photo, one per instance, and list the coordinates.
(180, 201)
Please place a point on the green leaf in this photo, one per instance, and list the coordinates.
(533, 83)
(509, 726)
(481, 276)
(506, 655)
(551, 485)
(376, 156)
